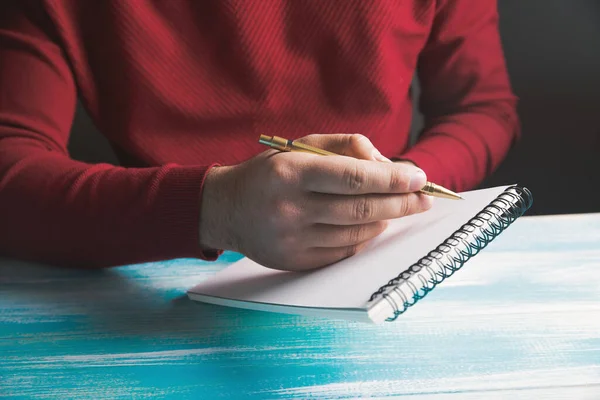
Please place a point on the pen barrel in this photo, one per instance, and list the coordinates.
(283, 144)
(309, 149)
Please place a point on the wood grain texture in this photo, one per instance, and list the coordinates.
(520, 321)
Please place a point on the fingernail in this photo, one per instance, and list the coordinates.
(418, 179)
(379, 157)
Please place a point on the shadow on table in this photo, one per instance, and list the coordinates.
(112, 302)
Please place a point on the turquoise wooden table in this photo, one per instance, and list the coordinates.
(521, 320)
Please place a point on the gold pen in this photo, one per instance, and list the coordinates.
(283, 144)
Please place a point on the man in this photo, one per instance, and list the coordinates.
(182, 89)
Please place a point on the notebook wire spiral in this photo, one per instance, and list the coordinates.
(413, 284)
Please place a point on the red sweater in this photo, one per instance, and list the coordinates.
(178, 85)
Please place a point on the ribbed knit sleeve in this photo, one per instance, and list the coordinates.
(57, 210)
(466, 98)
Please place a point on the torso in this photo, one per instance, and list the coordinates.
(198, 77)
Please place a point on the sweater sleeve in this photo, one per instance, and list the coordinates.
(57, 210)
(466, 99)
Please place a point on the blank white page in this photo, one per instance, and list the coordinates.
(350, 282)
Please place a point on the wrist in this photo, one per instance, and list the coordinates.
(215, 210)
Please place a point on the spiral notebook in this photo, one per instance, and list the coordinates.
(393, 273)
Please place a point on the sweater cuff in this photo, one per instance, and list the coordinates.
(178, 201)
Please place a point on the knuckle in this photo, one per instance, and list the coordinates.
(398, 181)
(356, 139)
(356, 234)
(355, 177)
(360, 143)
(405, 206)
(279, 169)
(363, 209)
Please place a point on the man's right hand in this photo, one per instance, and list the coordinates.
(298, 211)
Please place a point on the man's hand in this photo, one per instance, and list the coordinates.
(297, 211)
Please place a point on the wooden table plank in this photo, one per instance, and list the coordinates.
(521, 320)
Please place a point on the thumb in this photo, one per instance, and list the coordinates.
(346, 144)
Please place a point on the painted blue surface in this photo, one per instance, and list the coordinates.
(521, 320)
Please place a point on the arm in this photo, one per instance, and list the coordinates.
(57, 210)
(469, 108)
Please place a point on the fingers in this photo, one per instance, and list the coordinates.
(352, 210)
(337, 175)
(351, 145)
(321, 235)
(356, 174)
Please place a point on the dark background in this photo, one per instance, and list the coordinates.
(553, 55)
(552, 49)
